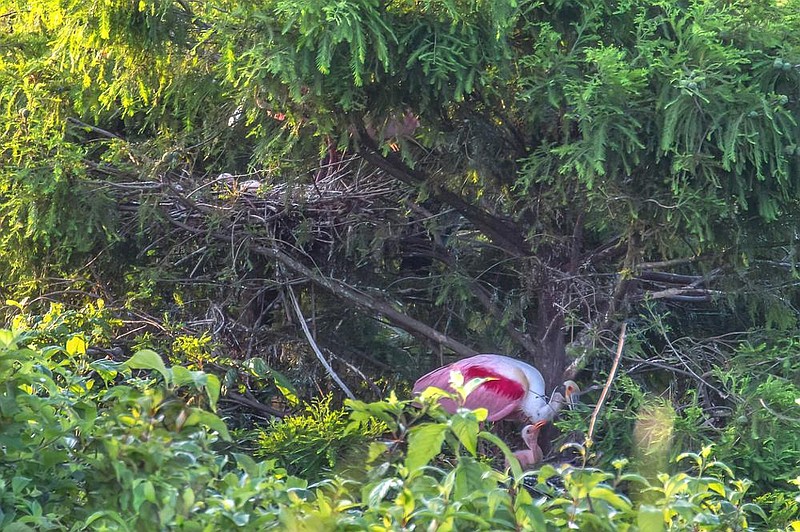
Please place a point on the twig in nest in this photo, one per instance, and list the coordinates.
(314, 346)
(610, 379)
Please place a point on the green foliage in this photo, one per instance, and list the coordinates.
(95, 322)
(594, 130)
(77, 431)
(762, 439)
(317, 442)
(136, 455)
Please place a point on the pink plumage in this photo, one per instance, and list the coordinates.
(512, 386)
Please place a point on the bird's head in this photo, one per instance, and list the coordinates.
(571, 393)
(530, 433)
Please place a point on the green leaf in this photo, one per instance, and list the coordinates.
(241, 518)
(182, 376)
(650, 518)
(381, 489)
(107, 369)
(284, 385)
(607, 494)
(528, 513)
(18, 483)
(424, 443)
(7, 338)
(465, 426)
(17, 527)
(516, 470)
(198, 416)
(212, 390)
(706, 519)
(149, 359)
(754, 508)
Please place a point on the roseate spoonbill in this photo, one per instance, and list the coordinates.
(533, 454)
(512, 388)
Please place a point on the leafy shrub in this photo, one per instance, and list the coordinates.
(317, 441)
(94, 322)
(100, 446)
(762, 439)
(90, 443)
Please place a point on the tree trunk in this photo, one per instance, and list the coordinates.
(551, 359)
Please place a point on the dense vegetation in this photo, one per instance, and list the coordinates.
(88, 444)
(228, 228)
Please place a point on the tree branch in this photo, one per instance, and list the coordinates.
(314, 346)
(254, 404)
(365, 302)
(504, 235)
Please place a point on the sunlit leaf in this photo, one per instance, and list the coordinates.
(424, 443)
(76, 346)
(148, 359)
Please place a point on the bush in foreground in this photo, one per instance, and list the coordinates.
(103, 445)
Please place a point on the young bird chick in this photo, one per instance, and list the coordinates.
(533, 454)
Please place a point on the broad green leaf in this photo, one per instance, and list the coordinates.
(7, 338)
(649, 518)
(182, 376)
(241, 518)
(198, 416)
(465, 427)
(432, 394)
(611, 497)
(754, 508)
(107, 369)
(107, 514)
(18, 527)
(405, 500)
(381, 489)
(495, 498)
(375, 450)
(424, 443)
(516, 470)
(528, 514)
(149, 359)
(706, 519)
(18, 483)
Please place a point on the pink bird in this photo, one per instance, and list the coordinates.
(533, 454)
(512, 388)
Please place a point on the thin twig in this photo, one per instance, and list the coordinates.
(776, 414)
(610, 379)
(314, 346)
(90, 127)
(370, 382)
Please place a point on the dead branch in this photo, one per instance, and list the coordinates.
(610, 379)
(314, 346)
(254, 404)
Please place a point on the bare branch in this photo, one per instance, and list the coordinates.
(254, 404)
(366, 302)
(503, 234)
(610, 379)
(95, 129)
(314, 346)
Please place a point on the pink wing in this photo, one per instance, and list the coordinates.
(500, 395)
